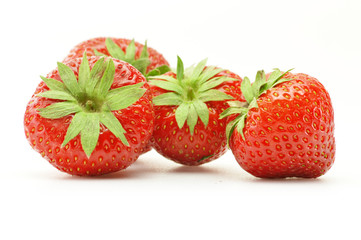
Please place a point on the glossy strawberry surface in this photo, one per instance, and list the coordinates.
(156, 59)
(290, 134)
(47, 135)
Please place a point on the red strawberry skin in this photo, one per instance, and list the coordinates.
(291, 134)
(155, 57)
(207, 143)
(47, 135)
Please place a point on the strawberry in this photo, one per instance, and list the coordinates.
(187, 128)
(286, 128)
(90, 116)
(147, 60)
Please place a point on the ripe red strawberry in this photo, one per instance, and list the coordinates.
(90, 122)
(287, 129)
(187, 128)
(147, 60)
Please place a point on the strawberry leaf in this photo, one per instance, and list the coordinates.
(158, 71)
(95, 75)
(90, 133)
(214, 83)
(181, 114)
(130, 52)
(55, 94)
(53, 84)
(141, 64)
(112, 123)
(214, 95)
(208, 73)
(59, 110)
(169, 98)
(114, 50)
(180, 69)
(124, 100)
(247, 90)
(99, 54)
(75, 127)
(202, 111)
(69, 79)
(198, 69)
(106, 81)
(192, 118)
(144, 53)
(167, 85)
(241, 124)
(84, 72)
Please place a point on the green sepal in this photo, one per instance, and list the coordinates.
(89, 134)
(130, 51)
(202, 111)
(180, 69)
(53, 84)
(95, 75)
(84, 72)
(232, 110)
(209, 73)
(181, 114)
(144, 53)
(69, 79)
(192, 118)
(112, 123)
(247, 90)
(198, 69)
(114, 50)
(129, 55)
(240, 125)
(163, 77)
(205, 157)
(169, 98)
(120, 91)
(158, 71)
(167, 85)
(59, 95)
(75, 127)
(103, 86)
(59, 110)
(125, 99)
(141, 64)
(214, 83)
(99, 54)
(214, 95)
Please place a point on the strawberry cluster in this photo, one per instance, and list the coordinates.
(112, 100)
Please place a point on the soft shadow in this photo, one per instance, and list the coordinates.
(292, 180)
(194, 169)
(137, 170)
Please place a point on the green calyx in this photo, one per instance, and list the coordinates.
(91, 101)
(128, 56)
(190, 90)
(251, 92)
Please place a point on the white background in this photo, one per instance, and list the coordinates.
(156, 198)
